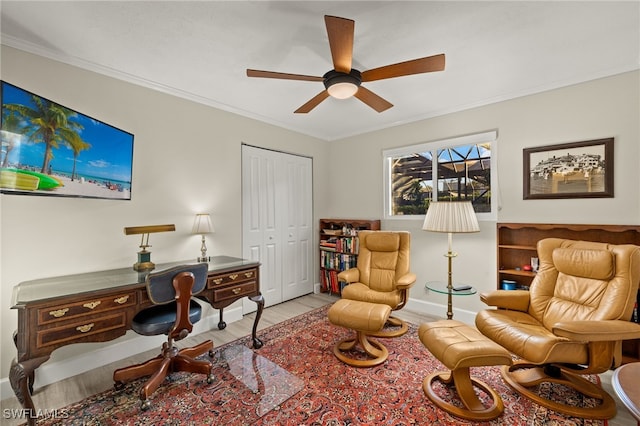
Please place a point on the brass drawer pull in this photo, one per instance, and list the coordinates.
(236, 290)
(59, 313)
(121, 300)
(217, 280)
(92, 305)
(233, 276)
(248, 274)
(85, 328)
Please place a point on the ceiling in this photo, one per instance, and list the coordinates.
(200, 50)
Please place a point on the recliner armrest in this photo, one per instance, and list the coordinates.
(349, 276)
(406, 281)
(514, 300)
(597, 331)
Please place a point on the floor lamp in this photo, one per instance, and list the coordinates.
(452, 217)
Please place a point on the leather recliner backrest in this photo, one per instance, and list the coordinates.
(581, 280)
(383, 256)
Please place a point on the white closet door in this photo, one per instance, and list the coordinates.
(277, 222)
(261, 223)
(297, 260)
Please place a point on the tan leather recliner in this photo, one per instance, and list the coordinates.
(382, 274)
(570, 322)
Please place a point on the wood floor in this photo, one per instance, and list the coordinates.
(73, 389)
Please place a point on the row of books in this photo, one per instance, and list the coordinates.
(329, 282)
(341, 261)
(342, 245)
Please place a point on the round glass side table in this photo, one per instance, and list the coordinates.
(441, 287)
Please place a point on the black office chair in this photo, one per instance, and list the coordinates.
(173, 314)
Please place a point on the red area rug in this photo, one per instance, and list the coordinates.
(296, 380)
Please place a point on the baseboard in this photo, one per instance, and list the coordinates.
(51, 372)
(436, 310)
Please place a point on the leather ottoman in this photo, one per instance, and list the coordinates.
(363, 318)
(460, 347)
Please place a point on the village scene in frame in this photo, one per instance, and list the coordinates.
(571, 171)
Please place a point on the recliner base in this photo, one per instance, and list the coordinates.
(393, 332)
(376, 351)
(523, 375)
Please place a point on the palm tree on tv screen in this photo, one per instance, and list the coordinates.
(76, 144)
(50, 123)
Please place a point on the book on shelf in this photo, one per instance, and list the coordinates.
(329, 281)
(338, 261)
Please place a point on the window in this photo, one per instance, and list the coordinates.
(446, 170)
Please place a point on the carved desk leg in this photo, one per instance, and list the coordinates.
(259, 299)
(221, 324)
(21, 376)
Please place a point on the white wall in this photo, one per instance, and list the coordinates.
(187, 159)
(608, 107)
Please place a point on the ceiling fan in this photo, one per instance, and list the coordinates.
(342, 82)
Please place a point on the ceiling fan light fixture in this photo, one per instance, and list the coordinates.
(341, 85)
(342, 90)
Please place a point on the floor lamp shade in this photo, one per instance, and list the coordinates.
(451, 216)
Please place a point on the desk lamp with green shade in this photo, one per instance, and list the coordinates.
(144, 262)
(452, 217)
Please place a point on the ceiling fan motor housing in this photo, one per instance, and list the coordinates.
(334, 77)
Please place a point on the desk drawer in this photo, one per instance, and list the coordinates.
(220, 280)
(79, 330)
(235, 291)
(90, 305)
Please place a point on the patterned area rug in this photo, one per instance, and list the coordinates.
(296, 380)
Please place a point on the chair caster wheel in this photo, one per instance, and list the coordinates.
(146, 404)
(118, 386)
(211, 353)
(210, 379)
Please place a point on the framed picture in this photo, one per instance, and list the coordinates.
(570, 170)
(51, 150)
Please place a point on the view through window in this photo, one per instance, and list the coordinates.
(451, 170)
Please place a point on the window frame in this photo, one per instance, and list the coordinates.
(434, 146)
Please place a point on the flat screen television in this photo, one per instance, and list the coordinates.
(51, 150)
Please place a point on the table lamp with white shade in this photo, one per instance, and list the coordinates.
(202, 226)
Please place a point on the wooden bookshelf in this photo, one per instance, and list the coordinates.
(517, 245)
(339, 246)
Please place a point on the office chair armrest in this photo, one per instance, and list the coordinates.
(597, 331)
(514, 300)
(406, 281)
(349, 276)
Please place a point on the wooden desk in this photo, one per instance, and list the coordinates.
(100, 306)
(625, 384)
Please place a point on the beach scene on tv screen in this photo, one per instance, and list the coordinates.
(48, 149)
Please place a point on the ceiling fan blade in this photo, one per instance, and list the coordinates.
(340, 32)
(281, 75)
(373, 100)
(416, 66)
(314, 102)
